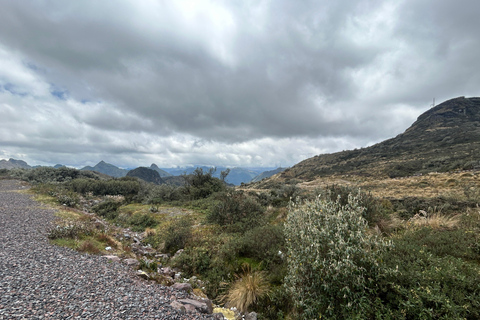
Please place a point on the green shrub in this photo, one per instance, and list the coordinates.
(374, 209)
(127, 187)
(193, 261)
(163, 193)
(178, 234)
(201, 184)
(333, 261)
(428, 286)
(71, 230)
(107, 209)
(264, 243)
(237, 211)
(141, 221)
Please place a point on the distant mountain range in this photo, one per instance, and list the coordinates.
(444, 138)
(236, 176)
(12, 164)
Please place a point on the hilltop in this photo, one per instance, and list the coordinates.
(444, 138)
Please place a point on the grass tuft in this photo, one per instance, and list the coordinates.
(246, 290)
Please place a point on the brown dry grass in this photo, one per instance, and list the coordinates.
(435, 220)
(246, 290)
(450, 184)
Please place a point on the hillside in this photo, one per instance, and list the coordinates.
(267, 174)
(146, 174)
(161, 172)
(108, 169)
(13, 164)
(444, 138)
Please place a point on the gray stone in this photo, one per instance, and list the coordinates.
(218, 316)
(112, 258)
(251, 316)
(168, 272)
(131, 262)
(178, 306)
(201, 306)
(183, 286)
(189, 308)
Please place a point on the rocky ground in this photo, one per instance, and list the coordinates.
(42, 281)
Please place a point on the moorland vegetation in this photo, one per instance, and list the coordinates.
(387, 232)
(335, 251)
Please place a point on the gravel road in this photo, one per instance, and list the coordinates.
(43, 281)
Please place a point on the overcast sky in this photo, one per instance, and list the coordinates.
(226, 83)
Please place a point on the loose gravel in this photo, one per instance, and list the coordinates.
(43, 281)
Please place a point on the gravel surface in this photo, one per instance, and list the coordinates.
(43, 281)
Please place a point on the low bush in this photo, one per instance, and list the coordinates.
(164, 193)
(107, 209)
(236, 211)
(265, 244)
(141, 221)
(374, 209)
(71, 230)
(177, 234)
(430, 284)
(201, 184)
(127, 187)
(333, 260)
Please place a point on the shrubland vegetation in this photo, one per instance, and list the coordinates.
(331, 252)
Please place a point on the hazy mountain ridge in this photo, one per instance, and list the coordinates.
(107, 168)
(236, 175)
(13, 164)
(444, 138)
(267, 174)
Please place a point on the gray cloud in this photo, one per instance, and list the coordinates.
(227, 83)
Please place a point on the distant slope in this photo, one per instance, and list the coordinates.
(161, 172)
(267, 174)
(13, 164)
(446, 137)
(146, 174)
(108, 169)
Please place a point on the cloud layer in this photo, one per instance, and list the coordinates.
(237, 83)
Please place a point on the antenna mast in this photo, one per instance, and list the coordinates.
(433, 104)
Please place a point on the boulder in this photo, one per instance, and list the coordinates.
(183, 286)
(204, 306)
(178, 306)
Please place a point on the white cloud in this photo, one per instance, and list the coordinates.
(250, 83)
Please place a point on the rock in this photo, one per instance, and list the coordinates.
(183, 286)
(218, 316)
(131, 262)
(178, 253)
(108, 248)
(189, 308)
(168, 272)
(162, 256)
(251, 316)
(178, 306)
(204, 306)
(143, 274)
(112, 258)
